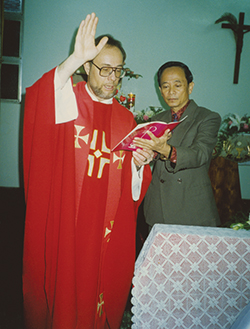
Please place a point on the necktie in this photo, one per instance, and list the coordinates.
(175, 117)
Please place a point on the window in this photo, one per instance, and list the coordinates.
(12, 51)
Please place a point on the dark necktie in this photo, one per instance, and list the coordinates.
(175, 117)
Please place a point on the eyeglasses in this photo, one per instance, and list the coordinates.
(106, 71)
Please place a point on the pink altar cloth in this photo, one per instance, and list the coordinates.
(191, 277)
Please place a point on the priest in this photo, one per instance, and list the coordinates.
(81, 198)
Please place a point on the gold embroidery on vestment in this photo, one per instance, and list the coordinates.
(119, 158)
(108, 230)
(98, 154)
(100, 305)
(85, 138)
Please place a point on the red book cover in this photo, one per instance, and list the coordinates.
(156, 127)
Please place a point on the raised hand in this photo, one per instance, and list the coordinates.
(85, 49)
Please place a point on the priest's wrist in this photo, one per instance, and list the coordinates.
(164, 158)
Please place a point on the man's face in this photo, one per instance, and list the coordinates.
(174, 87)
(104, 87)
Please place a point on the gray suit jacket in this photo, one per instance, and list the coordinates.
(183, 195)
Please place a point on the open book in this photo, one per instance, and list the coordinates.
(156, 127)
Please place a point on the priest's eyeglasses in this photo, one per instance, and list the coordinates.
(106, 71)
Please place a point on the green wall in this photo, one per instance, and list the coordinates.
(152, 32)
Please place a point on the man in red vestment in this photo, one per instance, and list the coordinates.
(81, 197)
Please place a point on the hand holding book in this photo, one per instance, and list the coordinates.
(158, 144)
(145, 131)
(142, 157)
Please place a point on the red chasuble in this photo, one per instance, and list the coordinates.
(79, 245)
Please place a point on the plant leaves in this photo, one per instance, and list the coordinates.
(227, 17)
(231, 19)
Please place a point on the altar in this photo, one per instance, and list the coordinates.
(191, 277)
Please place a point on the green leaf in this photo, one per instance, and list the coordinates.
(227, 17)
(231, 19)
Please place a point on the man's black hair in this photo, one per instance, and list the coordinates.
(112, 42)
(188, 74)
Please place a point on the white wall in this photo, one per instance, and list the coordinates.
(152, 32)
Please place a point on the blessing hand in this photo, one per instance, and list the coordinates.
(85, 48)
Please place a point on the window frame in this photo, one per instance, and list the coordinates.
(8, 15)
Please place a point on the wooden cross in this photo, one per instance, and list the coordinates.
(239, 30)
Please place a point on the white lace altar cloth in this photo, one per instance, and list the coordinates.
(191, 277)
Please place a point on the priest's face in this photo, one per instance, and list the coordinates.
(104, 87)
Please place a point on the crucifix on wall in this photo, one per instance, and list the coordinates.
(239, 30)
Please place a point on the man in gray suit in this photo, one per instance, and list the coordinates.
(180, 191)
